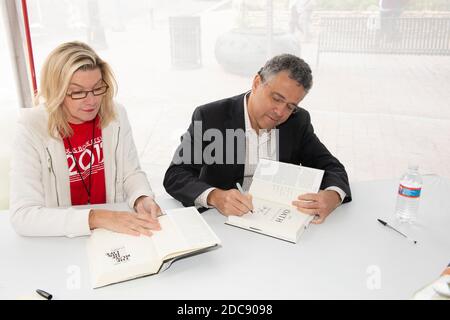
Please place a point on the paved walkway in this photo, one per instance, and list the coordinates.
(374, 112)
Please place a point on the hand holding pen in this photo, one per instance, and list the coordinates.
(230, 202)
(243, 193)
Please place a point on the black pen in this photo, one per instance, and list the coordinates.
(384, 223)
(44, 294)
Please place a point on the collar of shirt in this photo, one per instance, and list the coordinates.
(257, 146)
(264, 135)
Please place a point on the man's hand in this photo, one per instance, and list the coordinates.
(319, 204)
(230, 202)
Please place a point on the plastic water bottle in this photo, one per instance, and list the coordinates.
(408, 196)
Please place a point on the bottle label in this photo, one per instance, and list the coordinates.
(409, 192)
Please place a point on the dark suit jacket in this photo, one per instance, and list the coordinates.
(298, 144)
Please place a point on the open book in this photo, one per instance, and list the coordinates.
(275, 185)
(115, 257)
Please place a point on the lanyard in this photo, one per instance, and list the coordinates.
(88, 190)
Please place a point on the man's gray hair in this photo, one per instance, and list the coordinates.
(298, 69)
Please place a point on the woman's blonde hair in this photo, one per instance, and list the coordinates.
(56, 74)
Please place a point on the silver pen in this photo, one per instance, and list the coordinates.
(384, 223)
(242, 192)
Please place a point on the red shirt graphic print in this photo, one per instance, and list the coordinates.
(82, 142)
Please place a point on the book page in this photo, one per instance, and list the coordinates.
(282, 182)
(168, 240)
(273, 219)
(184, 230)
(115, 257)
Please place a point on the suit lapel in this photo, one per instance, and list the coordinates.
(284, 143)
(236, 121)
(235, 118)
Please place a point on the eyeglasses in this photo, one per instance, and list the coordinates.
(78, 95)
(281, 103)
(277, 100)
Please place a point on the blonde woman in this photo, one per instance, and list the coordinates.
(76, 148)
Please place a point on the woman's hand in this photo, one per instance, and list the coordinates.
(142, 222)
(147, 206)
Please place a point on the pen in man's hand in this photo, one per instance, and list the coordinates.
(384, 223)
(242, 192)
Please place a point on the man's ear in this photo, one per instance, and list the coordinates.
(257, 81)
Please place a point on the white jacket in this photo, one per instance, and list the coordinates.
(40, 201)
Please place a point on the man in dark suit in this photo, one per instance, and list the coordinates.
(226, 139)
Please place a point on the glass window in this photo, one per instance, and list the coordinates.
(374, 111)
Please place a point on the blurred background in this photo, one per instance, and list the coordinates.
(381, 70)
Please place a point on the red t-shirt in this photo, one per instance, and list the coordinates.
(81, 143)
